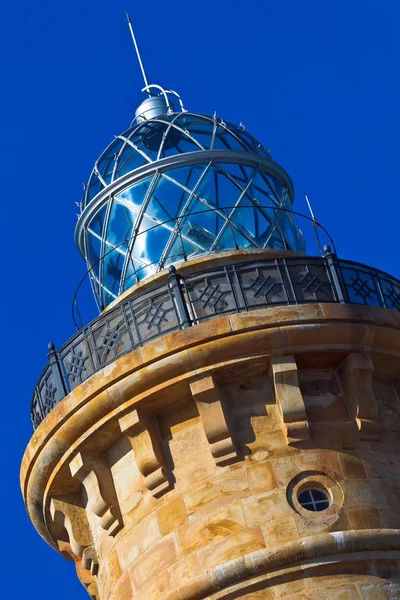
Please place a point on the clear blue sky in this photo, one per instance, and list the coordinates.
(316, 81)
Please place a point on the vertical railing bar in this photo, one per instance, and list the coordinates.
(283, 261)
(86, 338)
(338, 280)
(331, 282)
(227, 270)
(54, 361)
(378, 284)
(189, 302)
(172, 298)
(128, 328)
(139, 337)
(174, 282)
(236, 274)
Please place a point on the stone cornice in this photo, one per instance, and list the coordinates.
(135, 378)
(339, 545)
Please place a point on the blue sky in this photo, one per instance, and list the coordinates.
(315, 81)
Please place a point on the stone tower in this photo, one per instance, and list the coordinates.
(228, 426)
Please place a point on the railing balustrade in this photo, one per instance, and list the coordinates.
(185, 301)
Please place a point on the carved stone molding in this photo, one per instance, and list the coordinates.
(142, 431)
(86, 576)
(207, 397)
(290, 399)
(94, 473)
(356, 373)
(73, 518)
(89, 560)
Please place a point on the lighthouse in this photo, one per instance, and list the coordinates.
(227, 426)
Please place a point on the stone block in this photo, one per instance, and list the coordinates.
(311, 523)
(390, 518)
(191, 457)
(352, 466)
(172, 515)
(261, 508)
(160, 588)
(205, 529)
(364, 518)
(184, 571)
(277, 531)
(284, 470)
(261, 477)
(123, 589)
(240, 543)
(348, 592)
(295, 587)
(362, 492)
(270, 444)
(388, 403)
(138, 539)
(211, 495)
(153, 562)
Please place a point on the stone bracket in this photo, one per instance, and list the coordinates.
(73, 518)
(92, 470)
(207, 396)
(86, 568)
(290, 399)
(356, 374)
(142, 431)
(89, 560)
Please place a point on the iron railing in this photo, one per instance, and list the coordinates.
(184, 301)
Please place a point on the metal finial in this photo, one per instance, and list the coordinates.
(327, 249)
(146, 83)
(172, 269)
(51, 347)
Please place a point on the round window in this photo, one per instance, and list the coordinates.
(314, 499)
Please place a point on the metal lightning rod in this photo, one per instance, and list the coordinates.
(137, 51)
(315, 224)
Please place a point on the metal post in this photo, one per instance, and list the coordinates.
(56, 368)
(337, 279)
(174, 282)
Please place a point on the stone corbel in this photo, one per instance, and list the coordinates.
(290, 399)
(85, 571)
(356, 373)
(93, 472)
(207, 397)
(73, 518)
(89, 560)
(142, 431)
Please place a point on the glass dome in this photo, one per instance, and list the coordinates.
(172, 134)
(175, 187)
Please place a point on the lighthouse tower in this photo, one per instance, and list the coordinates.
(228, 426)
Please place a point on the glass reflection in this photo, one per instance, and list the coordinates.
(168, 135)
(186, 212)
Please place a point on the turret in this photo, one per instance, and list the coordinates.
(228, 425)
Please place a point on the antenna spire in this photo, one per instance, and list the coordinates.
(315, 224)
(137, 52)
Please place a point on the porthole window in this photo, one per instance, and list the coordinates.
(314, 499)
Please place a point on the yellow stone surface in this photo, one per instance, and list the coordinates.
(271, 387)
(172, 515)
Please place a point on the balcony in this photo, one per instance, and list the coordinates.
(182, 301)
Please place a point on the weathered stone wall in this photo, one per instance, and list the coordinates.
(175, 473)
